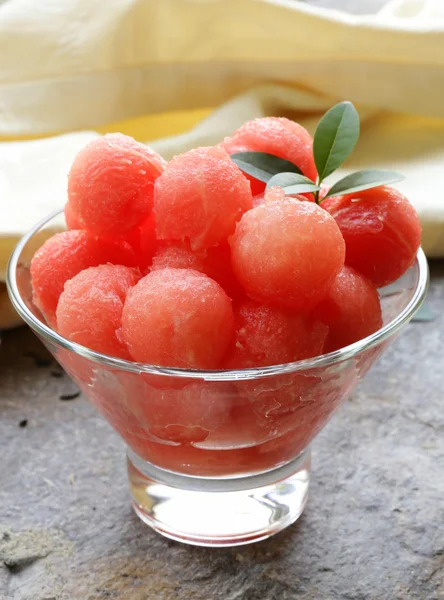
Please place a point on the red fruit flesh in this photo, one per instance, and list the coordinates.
(111, 184)
(287, 253)
(177, 318)
(278, 136)
(89, 311)
(143, 239)
(266, 335)
(182, 415)
(200, 196)
(351, 310)
(381, 230)
(178, 255)
(214, 262)
(63, 256)
(276, 193)
(71, 220)
(218, 266)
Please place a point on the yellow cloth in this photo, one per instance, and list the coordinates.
(85, 63)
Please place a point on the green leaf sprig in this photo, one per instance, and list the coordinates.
(335, 137)
(262, 165)
(293, 183)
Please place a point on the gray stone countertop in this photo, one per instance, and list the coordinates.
(373, 527)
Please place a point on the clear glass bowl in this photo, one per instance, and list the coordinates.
(217, 458)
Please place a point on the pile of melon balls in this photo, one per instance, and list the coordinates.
(193, 264)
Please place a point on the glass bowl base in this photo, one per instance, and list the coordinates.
(219, 512)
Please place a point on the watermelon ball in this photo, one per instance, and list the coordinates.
(178, 255)
(82, 370)
(276, 193)
(279, 403)
(214, 262)
(148, 242)
(185, 415)
(278, 136)
(287, 253)
(273, 194)
(111, 184)
(218, 266)
(177, 318)
(351, 309)
(142, 239)
(89, 311)
(70, 218)
(381, 230)
(200, 196)
(267, 335)
(63, 256)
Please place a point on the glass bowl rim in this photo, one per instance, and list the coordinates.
(323, 360)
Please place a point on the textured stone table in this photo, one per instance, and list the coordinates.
(373, 527)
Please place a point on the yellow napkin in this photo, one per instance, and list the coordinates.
(85, 63)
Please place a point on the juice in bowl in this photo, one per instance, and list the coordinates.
(218, 332)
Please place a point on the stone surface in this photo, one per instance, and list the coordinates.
(373, 527)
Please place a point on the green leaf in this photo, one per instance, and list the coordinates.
(363, 180)
(262, 165)
(335, 137)
(300, 188)
(293, 183)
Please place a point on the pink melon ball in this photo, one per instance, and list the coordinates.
(276, 193)
(200, 196)
(381, 230)
(71, 220)
(177, 318)
(111, 184)
(218, 266)
(287, 253)
(148, 242)
(185, 415)
(89, 311)
(273, 194)
(63, 256)
(278, 136)
(178, 255)
(214, 262)
(351, 309)
(79, 368)
(142, 239)
(267, 335)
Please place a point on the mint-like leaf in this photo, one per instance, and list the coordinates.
(293, 183)
(335, 137)
(363, 180)
(262, 165)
